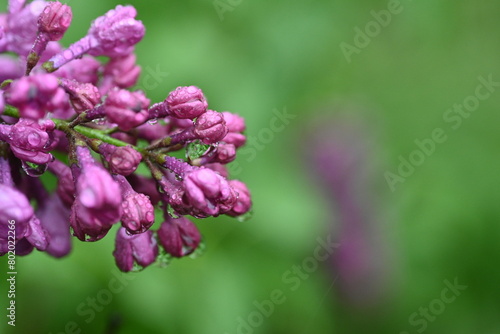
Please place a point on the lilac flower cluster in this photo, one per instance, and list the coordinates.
(65, 113)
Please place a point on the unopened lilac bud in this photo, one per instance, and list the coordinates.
(116, 32)
(225, 153)
(96, 189)
(55, 20)
(32, 94)
(138, 212)
(122, 160)
(52, 24)
(14, 206)
(210, 127)
(126, 109)
(234, 122)
(206, 189)
(36, 234)
(98, 201)
(140, 248)
(179, 236)
(29, 140)
(186, 102)
(113, 34)
(85, 226)
(244, 201)
(83, 96)
(65, 184)
(54, 217)
(235, 126)
(121, 72)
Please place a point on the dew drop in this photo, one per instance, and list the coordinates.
(163, 259)
(246, 216)
(153, 121)
(200, 250)
(136, 268)
(34, 139)
(34, 170)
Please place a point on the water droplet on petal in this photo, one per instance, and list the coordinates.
(246, 216)
(136, 268)
(34, 139)
(200, 250)
(153, 121)
(34, 170)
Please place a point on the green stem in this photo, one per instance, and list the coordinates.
(83, 130)
(10, 111)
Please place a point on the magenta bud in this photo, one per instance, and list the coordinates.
(65, 184)
(29, 140)
(97, 204)
(55, 20)
(32, 94)
(123, 71)
(115, 33)
(140, 248)
(138, 212)
(186, 102)
(243, 202)
(36, 234)
(234, 122)
(54, 216)
(14, 206)
(179, 237)
(235, 138)
(210, 127)
(112, 35)
(126, 109)
(225, 153)
(83, 96)
(121, 160)
(206, 190)
(235, 126)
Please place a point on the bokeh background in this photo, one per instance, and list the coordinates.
(321, 174)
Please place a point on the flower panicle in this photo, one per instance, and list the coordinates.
(65, 113)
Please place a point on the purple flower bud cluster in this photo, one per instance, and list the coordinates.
(66, 115)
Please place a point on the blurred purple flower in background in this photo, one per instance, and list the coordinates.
(342, 163)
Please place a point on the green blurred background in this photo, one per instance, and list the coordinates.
(442, 223)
